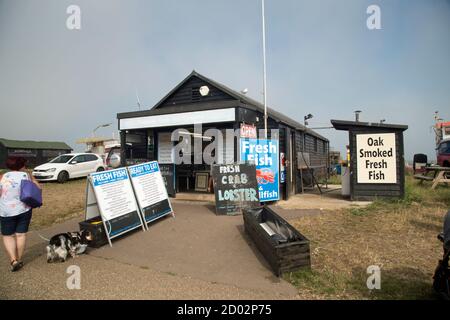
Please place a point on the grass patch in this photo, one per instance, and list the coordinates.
(321, 282)
(399, 236)
(335, 179)
(404, 283)
(416, 195)
(332, 179)
(397, 284)
(61, 202)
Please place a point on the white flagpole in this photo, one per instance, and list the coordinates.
(264, 68)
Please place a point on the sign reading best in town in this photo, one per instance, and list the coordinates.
(376, 158)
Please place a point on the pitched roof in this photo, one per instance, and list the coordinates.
(244, 99)
(27, 144)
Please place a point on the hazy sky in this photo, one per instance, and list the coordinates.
(59, 84)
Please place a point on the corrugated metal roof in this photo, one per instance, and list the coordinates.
(28, 144)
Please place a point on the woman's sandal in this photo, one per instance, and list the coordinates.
(16, 265)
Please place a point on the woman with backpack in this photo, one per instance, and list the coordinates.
(15, 215)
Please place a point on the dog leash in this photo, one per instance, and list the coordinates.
(42, 237)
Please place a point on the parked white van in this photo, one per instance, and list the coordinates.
(68, 166)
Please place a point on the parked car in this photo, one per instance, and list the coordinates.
(68, 166)
(443, 153)
(112, 153)
(113, 157)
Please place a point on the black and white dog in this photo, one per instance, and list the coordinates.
(67, 244)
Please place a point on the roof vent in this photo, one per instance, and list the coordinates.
(357, 113)
(195, 94)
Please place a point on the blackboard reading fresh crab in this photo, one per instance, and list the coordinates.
(235, 188)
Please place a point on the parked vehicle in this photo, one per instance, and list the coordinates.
(113, 154)
(443, 153)
(113, 157)
(68, 166)
(441, 276)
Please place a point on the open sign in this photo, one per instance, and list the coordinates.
(248, 131)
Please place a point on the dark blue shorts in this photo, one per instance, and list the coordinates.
(16, 224)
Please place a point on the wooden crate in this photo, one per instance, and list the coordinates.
(282, 257)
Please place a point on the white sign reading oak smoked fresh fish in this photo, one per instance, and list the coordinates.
(376, 158)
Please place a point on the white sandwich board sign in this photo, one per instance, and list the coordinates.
(150, 191)
(376, 155)
(110, 195)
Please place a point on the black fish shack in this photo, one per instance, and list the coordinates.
(377, 163)
(36, 152)
(146, 135)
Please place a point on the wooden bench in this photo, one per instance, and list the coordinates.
(423, 178)
(441, 175)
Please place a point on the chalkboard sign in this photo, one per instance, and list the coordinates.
(235, 187)
(168, 174)
(110, 194)
(150, 191)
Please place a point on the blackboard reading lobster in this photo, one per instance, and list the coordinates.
(235, 188)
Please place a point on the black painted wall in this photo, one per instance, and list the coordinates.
(35, 159)
(318, 152)
(189, 93)
(3, 156)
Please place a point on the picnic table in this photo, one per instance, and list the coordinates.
(440, 175)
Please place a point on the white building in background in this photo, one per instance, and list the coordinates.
(99, 145)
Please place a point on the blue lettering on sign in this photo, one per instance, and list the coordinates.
(106, 177)
(143, 169)
(265, 155)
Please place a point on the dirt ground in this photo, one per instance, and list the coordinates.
(403, 245)
(177, 258)
(331, 199)
(398, 236)
(61, 202)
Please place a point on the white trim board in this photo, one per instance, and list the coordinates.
(178, 119)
